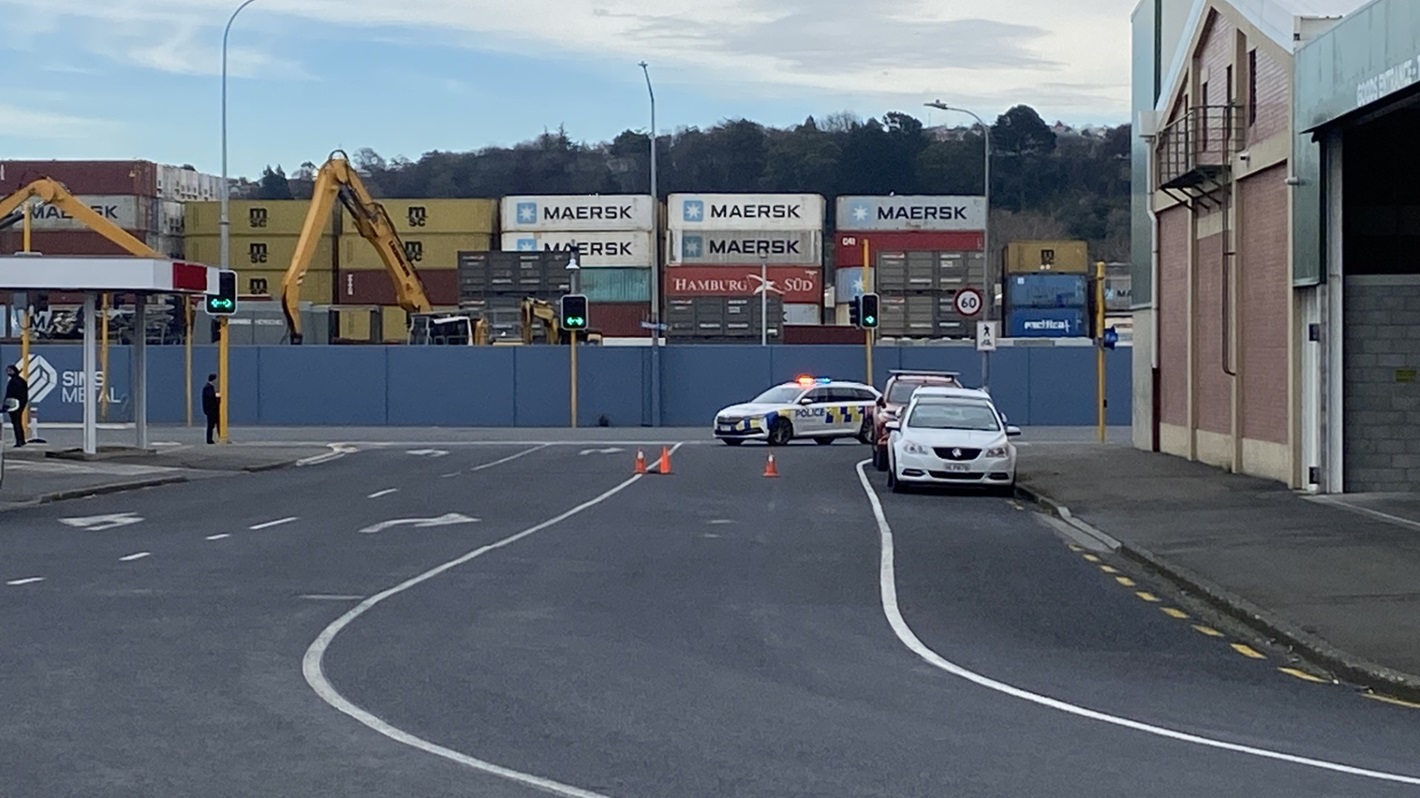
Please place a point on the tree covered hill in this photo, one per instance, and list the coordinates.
(1045, 184)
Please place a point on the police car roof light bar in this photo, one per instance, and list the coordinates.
(924, 373)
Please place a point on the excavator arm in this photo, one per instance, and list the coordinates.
(338, 180)
(52, 192)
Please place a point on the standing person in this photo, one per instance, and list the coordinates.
(211, 405)
(17, 398)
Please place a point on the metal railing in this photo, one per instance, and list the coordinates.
(1198, 145)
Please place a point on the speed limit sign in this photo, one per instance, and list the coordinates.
(968, 302)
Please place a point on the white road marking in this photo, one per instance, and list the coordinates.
(447, 519)
(218, 537)
(314, 671)
(136, 556)
(607, 450)
(98, 523)
(29, 580)
(888, 588)
(387, 491)
(270, 524)
(329, 597)
(719, 521)
(450, 475)
(428, 452)
(510, 458)
(337, 451)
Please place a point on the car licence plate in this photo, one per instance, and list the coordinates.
(956, 467)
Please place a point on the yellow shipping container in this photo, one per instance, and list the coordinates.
(424, 217)
(260, 252)
(262, 217)
(317, 287)
(424, 251)
(1046, 256)
(355, 324)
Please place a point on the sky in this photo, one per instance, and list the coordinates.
(141, 78)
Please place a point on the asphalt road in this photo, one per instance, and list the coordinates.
(706, 633)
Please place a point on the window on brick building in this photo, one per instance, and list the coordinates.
(1203, 123)
(1251, 88)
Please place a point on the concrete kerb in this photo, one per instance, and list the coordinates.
(102, 490)
(1352, 668)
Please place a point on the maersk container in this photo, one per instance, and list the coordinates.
(578, 212)
(757, 212)
(1047, 323)
(1047, 290)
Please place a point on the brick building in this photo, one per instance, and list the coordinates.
(1216, 323)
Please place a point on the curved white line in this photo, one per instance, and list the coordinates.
(888, 579)
(314, 671)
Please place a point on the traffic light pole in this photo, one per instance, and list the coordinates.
(223, 397)
(1099, 346)
(867, 332)
(574, 377)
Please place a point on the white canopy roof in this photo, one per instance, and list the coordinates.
(119, 275)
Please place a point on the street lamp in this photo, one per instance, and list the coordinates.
(987, 295)
(655, 266)
(224, 222)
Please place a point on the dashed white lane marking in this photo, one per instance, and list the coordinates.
(329, 597)
(387, 491)
(888, 587)
(314, 671)
(510, 458)
(135, 556)
(29, 580)
(270, 524)
(218, 537)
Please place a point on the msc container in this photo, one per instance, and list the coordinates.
(88, 242)
(595, 249)
(910, 213)
(578, 213)
(356, 324)
(128, 212)
(376, 288)
(794, 284)
(540, 274)
(745, 212)
(259, 252)
(615, 285)
(848, 247)
(262, 217)
(1045, 256)
(1047, 323)
(426, 252)
(104, 178)
(1047, 290)
(317, 287)
(736, 248)
(422, 217)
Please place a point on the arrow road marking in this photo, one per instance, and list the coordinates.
(98, 523)
(608, 450)
(427, 452)
(447, 519)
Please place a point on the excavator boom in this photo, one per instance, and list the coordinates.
(52, 192)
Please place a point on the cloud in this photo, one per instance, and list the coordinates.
(30, 125)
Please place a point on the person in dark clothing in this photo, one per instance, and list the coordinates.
(17, 398)
(211, 405)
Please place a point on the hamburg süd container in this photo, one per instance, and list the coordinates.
(615, 285)
(430, 252)
(262, 253)
(1046, 256)
(578, 213)
(422, 217)
(1047, 323)
(595, 249)
(1047, 290)
(248, 217)
(736, 248)
(732, 212)
(792, 284)
(903, 213)
(104, 178)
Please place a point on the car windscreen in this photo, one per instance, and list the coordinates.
(902, 390)
(976, 416)
(779, 395)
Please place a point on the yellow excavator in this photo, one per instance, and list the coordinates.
(537, 311)
(338, 180)
(52, 192)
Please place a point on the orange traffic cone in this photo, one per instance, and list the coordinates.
(770, 469)
(640, 462)
(664, 466)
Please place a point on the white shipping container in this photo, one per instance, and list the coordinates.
(616, 248)
(186, 185)
(170, 217)
(578, 212)
(860, 214)
(803, 314)
(740, 247)
(848, 283)
(128, 212)
(745, 212)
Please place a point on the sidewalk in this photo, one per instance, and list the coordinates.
(1338, 584)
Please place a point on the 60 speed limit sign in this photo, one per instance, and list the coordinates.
(968, 302)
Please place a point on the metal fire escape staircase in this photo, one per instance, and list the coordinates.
(1195, 153)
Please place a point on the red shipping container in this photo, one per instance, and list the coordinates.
(848, 247)
(84, 243)
(374, 287)
(619, 319)
(794, 284)
(136, 178)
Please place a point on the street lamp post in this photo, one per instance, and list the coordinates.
(988, 300)
(224, 224)
(655, 266)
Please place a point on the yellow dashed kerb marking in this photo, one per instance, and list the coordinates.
(1303, 675)
(1173, 613)
(1248, 651)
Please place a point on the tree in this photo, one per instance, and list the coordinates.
(273, 185)
(1021, 130)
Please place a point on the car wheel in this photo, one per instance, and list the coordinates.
(733, 441)
(823, 441)
(897, 485)
(780, 432)
(891, 478)
(880, 458)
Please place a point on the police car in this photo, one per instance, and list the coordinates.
(807, 407)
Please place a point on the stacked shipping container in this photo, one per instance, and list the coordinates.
(1047, 289)
(723, 251)
(921, 250)
(615, 238)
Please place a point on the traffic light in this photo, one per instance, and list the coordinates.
(855, 311)
(224, 302)
(574, 312)
(868, 312)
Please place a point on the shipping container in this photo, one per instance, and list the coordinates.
(910, 213)
(794, 284)
(596, 249)
(722, 317)
(425, 217)
(187, 185)
(105, 178)
(619, 319)
(88, 242)
(377, 288)
(248, 217)
(929, 271)
(1046, 323)
(579, 213)
(1047, 290)
(615, 285)
(426, 252)
(1046, 256)
(540, 274)
(259, 252)
(733, 248)
(806, 313)
(317, 287)
(848, 247)
(357, 323)
(128, 212)
(730, 212)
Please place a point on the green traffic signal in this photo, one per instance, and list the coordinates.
(868, 312)
(224, 302)
(574, 312)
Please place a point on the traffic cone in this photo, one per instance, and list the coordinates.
(770, 468)
(640, 462)
(664, 466)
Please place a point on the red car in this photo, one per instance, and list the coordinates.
(901, 384)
